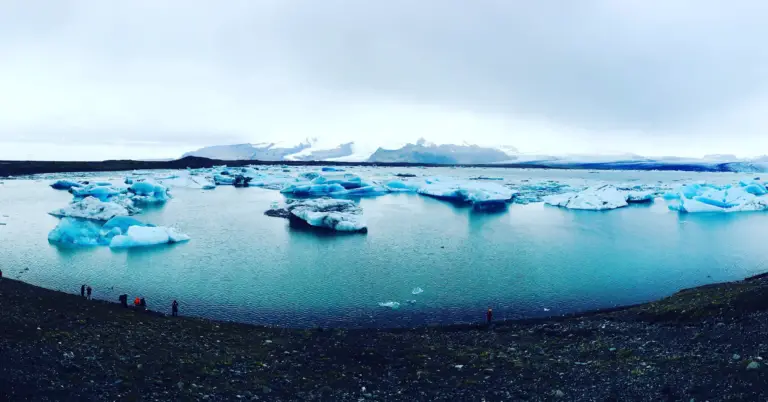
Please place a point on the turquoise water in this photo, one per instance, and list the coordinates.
(244, 266)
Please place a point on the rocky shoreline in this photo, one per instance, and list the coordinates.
(702, 344)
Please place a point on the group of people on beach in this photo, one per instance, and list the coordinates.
(139, 303)
(86, 291)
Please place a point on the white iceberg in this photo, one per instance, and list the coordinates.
(94, 209)
(390, 304)
(142, 236)
(482, 196)
(417, 291)
(328, 213)
(594, 198)
(186, 181)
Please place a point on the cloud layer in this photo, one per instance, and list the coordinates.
(153, 79)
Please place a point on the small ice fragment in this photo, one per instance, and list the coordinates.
(417, 291)
(390, 304)
(546, 309)
(411, 301)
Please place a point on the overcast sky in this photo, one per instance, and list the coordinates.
(95, 79)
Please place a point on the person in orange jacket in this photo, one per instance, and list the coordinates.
(136, 302)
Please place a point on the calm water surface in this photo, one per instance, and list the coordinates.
(244, 266)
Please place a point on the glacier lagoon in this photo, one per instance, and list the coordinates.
(528, 261)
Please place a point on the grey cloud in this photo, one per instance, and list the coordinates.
(218, 72)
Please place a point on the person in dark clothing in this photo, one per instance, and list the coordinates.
(89, 291)
(489, 317)
(123, 300)
(143, 304)
(82, 291)
(1, 274)
(175, 308)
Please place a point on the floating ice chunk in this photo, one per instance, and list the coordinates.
(482, 196)
(92, 208)
(313, 190)
(142, 236)
(64, 184)
(77, 232)
(593, 198)
(417, 291)
(640, 196)
(103, 193)
(332, 169)
(187, 181)
(720, 199)
(346, 180)
(398, 186)
(390, 304)
(411, 301)
(148, 192)
(366, 191)
(339, 215)
(122, 223)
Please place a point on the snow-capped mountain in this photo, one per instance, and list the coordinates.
(421, 151)
(425, 152)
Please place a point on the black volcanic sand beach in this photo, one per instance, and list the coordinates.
(703, 344)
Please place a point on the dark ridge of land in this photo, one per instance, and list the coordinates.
(702, 344)
(22, 168)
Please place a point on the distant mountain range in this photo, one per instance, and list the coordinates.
(424, 152)
(310, 150)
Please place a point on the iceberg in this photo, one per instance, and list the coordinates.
(594, 198)
(640, 196)
(417, 291)
(78, 232)
(482, 196)
(142, 236)
(327, 213)
(186, 181)
(93, 209)
(398, 186)
(709, 198)
(148, 192)
(390, 304)
(64, 184)
(103, 193)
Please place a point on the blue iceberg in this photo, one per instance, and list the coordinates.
(148, 192)
(64, 184)
(77, 232)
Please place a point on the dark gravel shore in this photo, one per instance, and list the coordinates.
(703, 344)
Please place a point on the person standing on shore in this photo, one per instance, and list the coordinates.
(489, 317)
(136, 302)
(82, 290)
(143, 304)
(1, 274)
(89, 290)
(175, 309)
